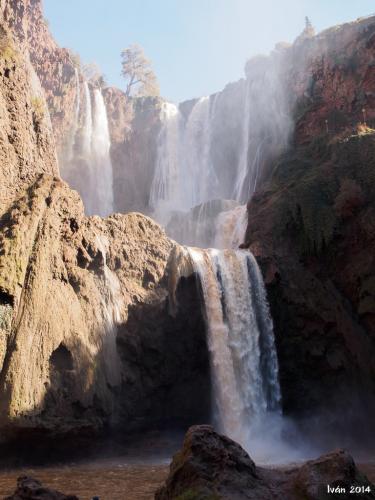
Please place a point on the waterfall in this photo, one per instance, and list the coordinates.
(101, 202)
(75, 124)
(110, 315)
(242, 168)
(195, 154)
(230, 227)
(87, 126)
(165, 188)
(220, 147)
(183, 175)
(87, 165)
(240, 340)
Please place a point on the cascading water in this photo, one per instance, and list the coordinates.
(219, 147)
(195, 155)
(240, 340)
(183, 175)
(242, 168)
(230, 227)
(87, 163)
(74, 130)
(87, 125)
(101, 202)
(166, 185)
(112, 303)
(239, 328)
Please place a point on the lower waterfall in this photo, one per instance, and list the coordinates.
(240, 340)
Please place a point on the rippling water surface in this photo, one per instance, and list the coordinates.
(108, 482)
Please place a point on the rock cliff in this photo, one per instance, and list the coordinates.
(87, 340)
(84, 320)
(312, 227)
(26, 139)
(54, 66)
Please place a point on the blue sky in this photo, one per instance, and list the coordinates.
(197, 46)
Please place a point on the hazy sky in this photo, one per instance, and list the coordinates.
(197, 46)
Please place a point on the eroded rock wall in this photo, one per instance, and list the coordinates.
(134, 126)
(26, 139)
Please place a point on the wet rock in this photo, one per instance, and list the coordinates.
(32, 489)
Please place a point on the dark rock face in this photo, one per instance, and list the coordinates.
(312, 229)
(166, 376)
(31, 489)
(212, 466)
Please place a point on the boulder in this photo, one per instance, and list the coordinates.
(32, 489)
(212, 466)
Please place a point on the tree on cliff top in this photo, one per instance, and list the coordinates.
(309, 30)
(137, 71)
(93, 74)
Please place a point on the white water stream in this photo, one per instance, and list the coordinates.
(240, 341)
(87, 163)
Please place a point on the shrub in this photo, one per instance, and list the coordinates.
(38, 110)
(37, 104)
(7, 50)
(363, 129)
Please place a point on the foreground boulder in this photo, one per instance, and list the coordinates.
(212, 466)
(32, 489)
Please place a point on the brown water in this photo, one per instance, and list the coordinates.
(108, 482)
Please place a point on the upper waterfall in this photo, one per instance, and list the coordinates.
(77, 107)
(86, 164)
(101, 202)
(219, 147)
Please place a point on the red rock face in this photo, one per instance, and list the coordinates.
(53, 65)
(334, 80)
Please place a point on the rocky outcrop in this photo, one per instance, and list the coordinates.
(54, 66)
(134, 127)
(32, 489)
(210, 465)
(26, 140)
(333, 77)
(86, 300)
